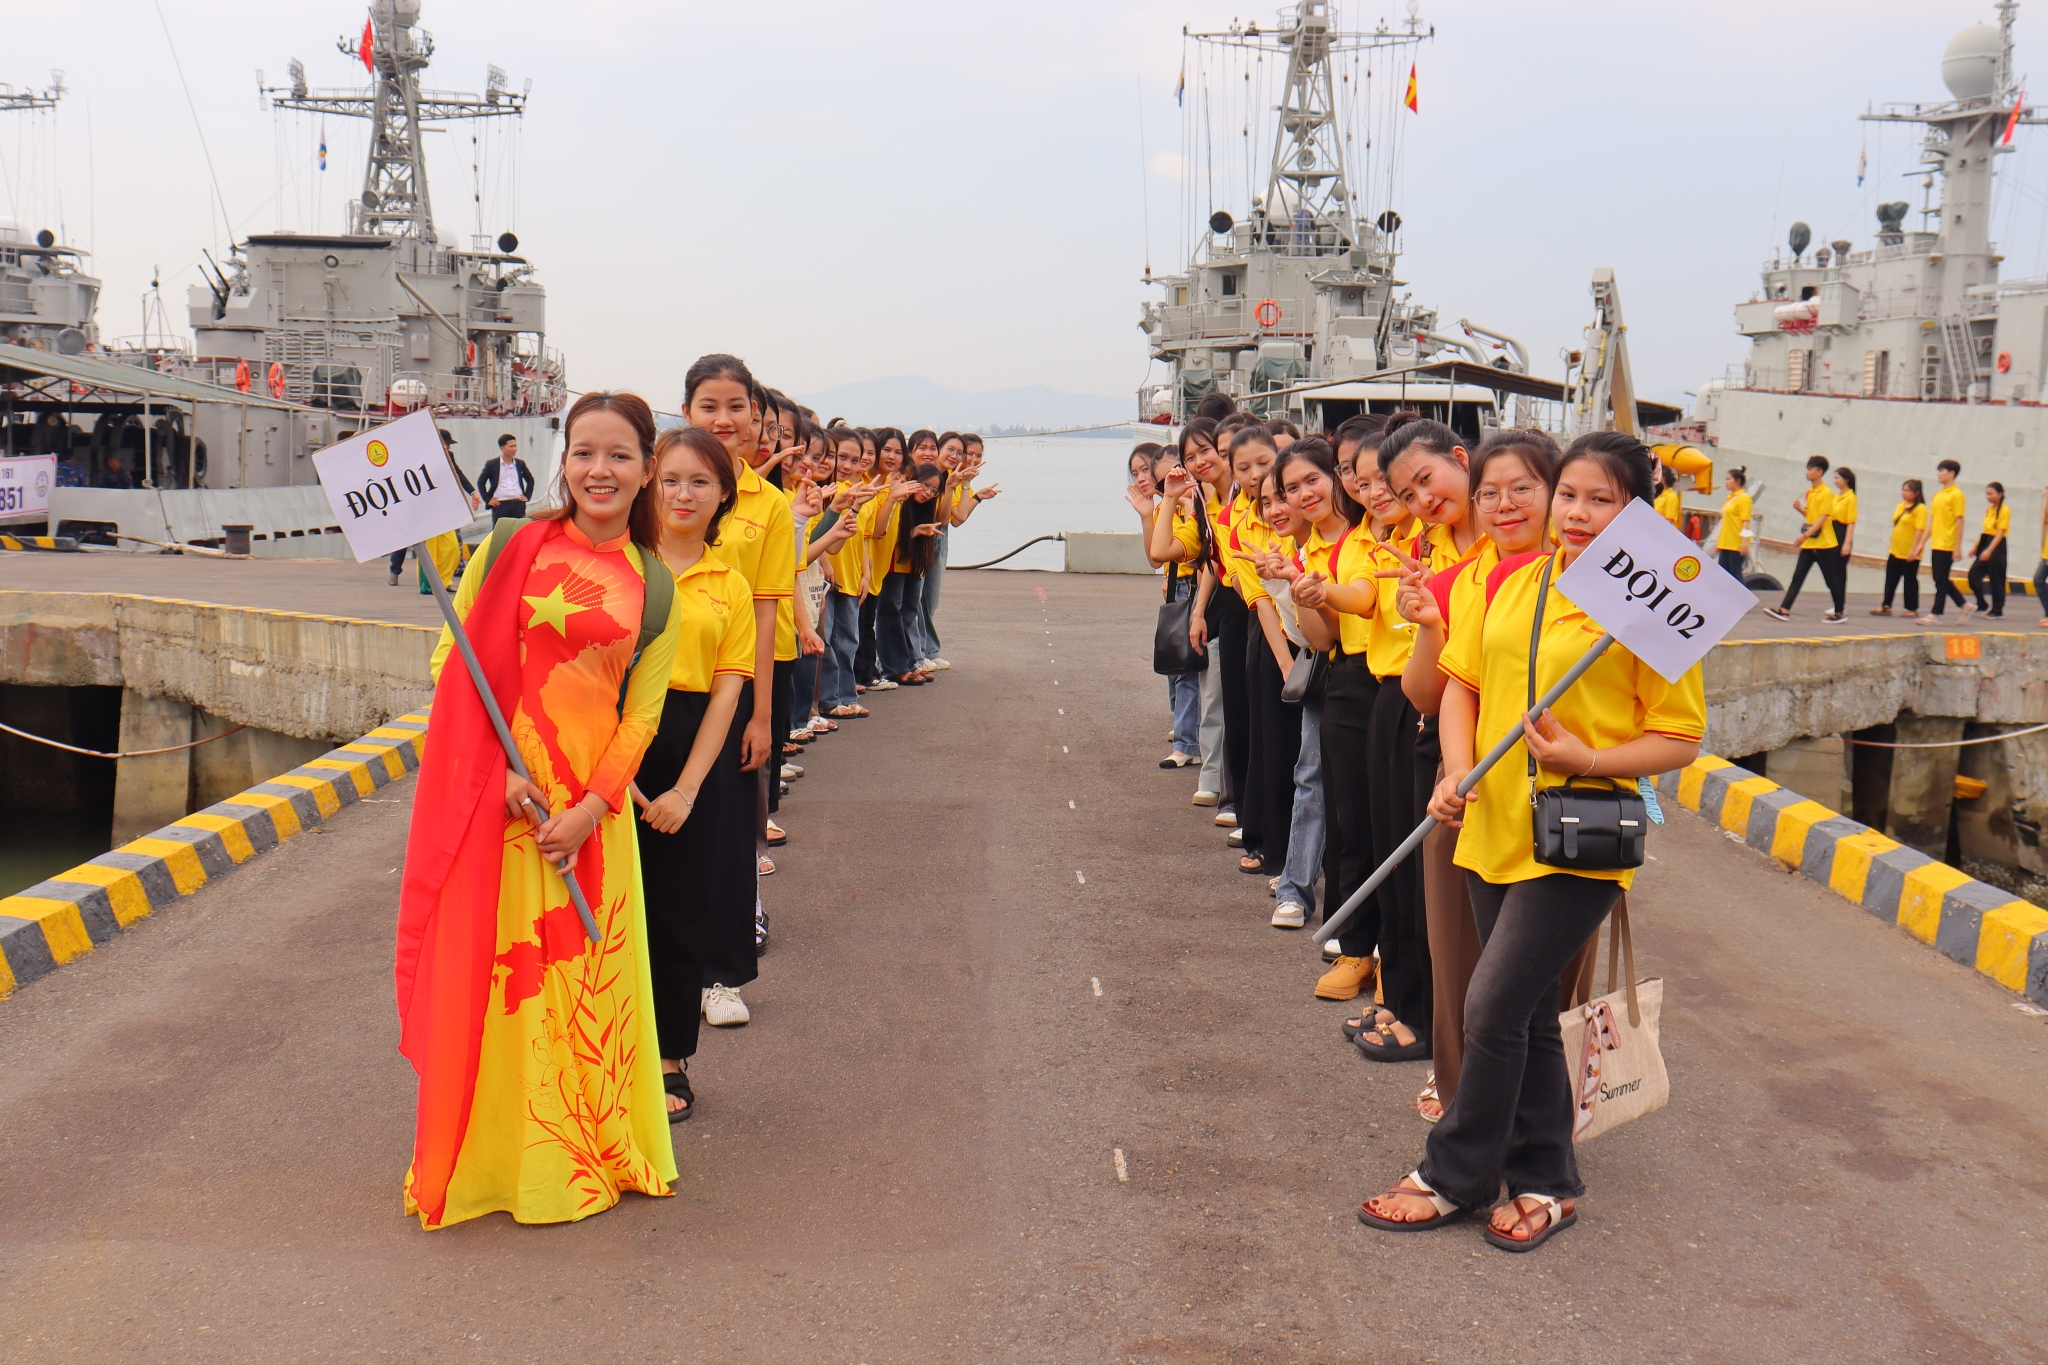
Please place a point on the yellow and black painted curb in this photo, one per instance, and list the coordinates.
(1973, 922)
(54, 921)
(37, 543)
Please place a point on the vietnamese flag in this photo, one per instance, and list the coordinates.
(1413, 107)
(367, 51)
(2013, 121)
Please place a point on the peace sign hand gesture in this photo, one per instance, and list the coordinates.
(1309, 590)
(1414, 600)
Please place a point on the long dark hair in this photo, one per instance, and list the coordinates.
(718, 366)
(645, 523)
(1627, 461)
(1533, 448)
(705, 447)
(919, 550)
(1409, 430)
(1919, 491)
(1316, 451)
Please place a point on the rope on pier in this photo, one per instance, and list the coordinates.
(134, 753)
(1940, 743)
(986, 563)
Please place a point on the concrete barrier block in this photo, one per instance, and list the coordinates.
(1767, 812)
(1107, 552)
(1736, 801)
(1817, 855)
(1959, 934)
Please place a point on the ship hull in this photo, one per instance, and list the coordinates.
(1885, 442)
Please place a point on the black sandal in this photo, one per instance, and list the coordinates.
(678, 1083)
(1387, 1050)
(1353, 1027)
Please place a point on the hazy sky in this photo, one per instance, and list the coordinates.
(839, 192)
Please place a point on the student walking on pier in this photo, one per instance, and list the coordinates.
(1730, 552)
(1511, 1119)
(1987, 561)
(537, 1053)
(1818, 546)
(1945, 513)
(1908, 543)
(698, 809)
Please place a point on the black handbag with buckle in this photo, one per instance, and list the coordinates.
(1172, 651)
(1588, 829)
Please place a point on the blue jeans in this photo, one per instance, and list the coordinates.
(1305, 842)
(892, 625)
(842, 639)
(924, 632)
(1184, 695)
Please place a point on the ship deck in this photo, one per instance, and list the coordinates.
(910, 1155)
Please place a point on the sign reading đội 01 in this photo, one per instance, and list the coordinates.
(1659, 594)
(391, 487)
(25, 482)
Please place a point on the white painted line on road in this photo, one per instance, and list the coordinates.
(1096, 982)
(1081, 879)
(1064, 749)
(1063, 710)
(1123, 1172)
(1072, 806)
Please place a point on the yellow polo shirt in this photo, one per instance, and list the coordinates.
(1735, 514)
(881, 550)
(1668, 505)
(1998, 520)
(758, 537)
(717, 610)
(1946, 508)
(1845, 508)
(1820, 506)
(1908, 521)
(1618, 699)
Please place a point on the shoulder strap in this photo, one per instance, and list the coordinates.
(1536, 638)
(501, 535)
(1502, 570)
(660, 597)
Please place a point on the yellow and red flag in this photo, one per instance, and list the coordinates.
(2013, 120)
(1413, 107)
(368, 48)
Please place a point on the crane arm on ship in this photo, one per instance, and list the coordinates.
(1518, 354)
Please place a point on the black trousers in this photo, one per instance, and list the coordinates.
(1942, 566)
(1348, 704)
(1398, 795)
(1511, 1119)
(1989, 572)
(699, 881)
(513, 509)
(1731, 560)
(1833, 572)
(866, 667)
(779, 703)
(1226, 617)
(1266, 814)
(1902, 571)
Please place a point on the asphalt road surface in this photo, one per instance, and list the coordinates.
(911, 1154)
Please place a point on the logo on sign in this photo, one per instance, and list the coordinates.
(1686, 569)
(378, 453)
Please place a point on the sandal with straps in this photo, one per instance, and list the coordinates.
(1427, 1096)
(1411, 1184)
(677, 1083)
(1353, 1027)
(1387, 1049)
(1556, 1219)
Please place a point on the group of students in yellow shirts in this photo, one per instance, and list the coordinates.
(1368, 605)
(650, 637)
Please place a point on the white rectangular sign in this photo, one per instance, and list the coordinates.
(392, 486)
(1649, 587)
(25, 483)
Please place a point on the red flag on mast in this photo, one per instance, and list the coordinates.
(368, 49)
(1413, 107)
(2013, 120)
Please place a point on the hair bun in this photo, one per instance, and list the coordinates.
(1397, 420)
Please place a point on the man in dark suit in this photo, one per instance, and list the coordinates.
(501, 477)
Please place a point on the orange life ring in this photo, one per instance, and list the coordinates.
(1268, 313)
(2004, 361)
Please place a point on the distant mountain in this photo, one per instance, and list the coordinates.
(909, 401)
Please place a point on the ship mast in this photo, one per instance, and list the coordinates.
(1308, 152)
(395, 200)
(12, 99)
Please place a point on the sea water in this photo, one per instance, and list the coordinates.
(1050, 485)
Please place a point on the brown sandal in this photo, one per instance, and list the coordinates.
(1525, 1235)
(1446, 1211)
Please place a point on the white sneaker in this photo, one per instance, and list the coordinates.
(1332, 950)
(723, 1007)
(1205, 798)
(1288, 915)
(926, 665)
(1227, 818)
(937, 665)
(790, 772)
(883, 685)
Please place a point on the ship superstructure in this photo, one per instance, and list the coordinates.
(1891, 356)
(47, 300)
(1302, 287)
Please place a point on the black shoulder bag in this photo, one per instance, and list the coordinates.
(1588, 829)
(1172, 650)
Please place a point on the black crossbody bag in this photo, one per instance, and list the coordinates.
(1172, 650)
(1587, 829)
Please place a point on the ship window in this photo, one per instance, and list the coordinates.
(1229, 284)
(1807, 291)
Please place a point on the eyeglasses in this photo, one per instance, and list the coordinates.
(1517, 494)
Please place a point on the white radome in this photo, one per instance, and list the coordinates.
(1969, 64)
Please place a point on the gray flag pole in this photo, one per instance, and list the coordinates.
(483, 690)
(1335, 923)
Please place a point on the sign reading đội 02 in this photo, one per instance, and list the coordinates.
(392, 487)
(1660, 595)
(25, 482)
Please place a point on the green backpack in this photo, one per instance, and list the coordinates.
(661, 591)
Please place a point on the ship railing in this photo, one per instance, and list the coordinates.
(466, 393)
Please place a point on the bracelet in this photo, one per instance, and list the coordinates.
(1590, 766)
(689, 801)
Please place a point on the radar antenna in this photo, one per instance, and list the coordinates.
(10, 98)
(394, 201)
